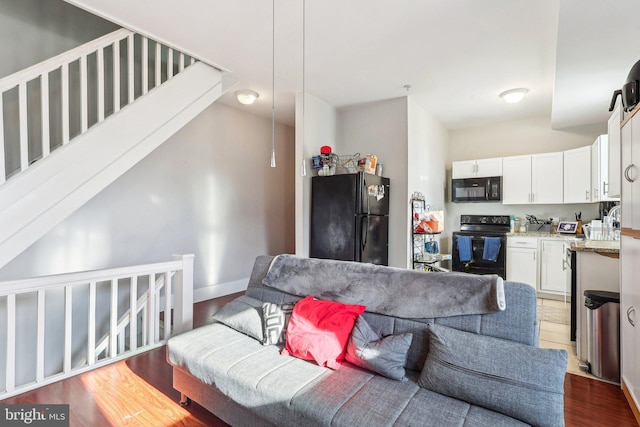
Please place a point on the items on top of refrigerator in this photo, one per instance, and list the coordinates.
(329, 163)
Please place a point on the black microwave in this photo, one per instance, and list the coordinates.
(488, 189)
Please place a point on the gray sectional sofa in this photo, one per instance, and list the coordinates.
(463, 370)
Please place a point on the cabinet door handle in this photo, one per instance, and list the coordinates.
(586, 194)
(605, 190)
(629, 311)
(626, 173)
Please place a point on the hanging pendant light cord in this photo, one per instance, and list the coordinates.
(273, 84)
(304, 34)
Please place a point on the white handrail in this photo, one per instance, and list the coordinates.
(98, 77)
(176, 276)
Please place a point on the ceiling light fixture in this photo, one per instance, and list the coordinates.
(273, 83)
(246, 96)
(513, 96)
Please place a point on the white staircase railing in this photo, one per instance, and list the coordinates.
(44, 106)
(127, 306)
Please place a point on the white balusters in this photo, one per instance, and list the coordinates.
(64, 104)
(68, 323)
(40, 337)
(130, 69)
(145, 64)
(10, 376)
(158, 67)
(133, 314)
(113, 328)
(167, 305)
(116, 77)
(84, 104)
(44, 102)
(24, 132)
(91, 334)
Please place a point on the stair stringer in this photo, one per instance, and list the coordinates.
(34, 202)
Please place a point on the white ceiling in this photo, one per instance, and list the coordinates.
(457, 55)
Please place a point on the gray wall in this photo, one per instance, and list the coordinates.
(209, 190)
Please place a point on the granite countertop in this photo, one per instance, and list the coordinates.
(577, 242)
(545, 235)
(600, 246)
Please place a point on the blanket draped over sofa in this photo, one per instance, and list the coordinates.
(393, 291)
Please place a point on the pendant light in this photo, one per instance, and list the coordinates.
(273, 84)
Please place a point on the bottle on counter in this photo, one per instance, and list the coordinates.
(512, 224)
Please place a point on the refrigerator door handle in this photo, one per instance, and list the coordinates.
(366, 232)
(366, 194)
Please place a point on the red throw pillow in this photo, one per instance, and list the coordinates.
(319, 330)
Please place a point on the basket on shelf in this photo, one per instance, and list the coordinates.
(348, 164)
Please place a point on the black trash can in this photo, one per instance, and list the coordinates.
(603, 334)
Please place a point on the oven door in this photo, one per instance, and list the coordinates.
(478, 264)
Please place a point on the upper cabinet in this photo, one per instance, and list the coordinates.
(547, 178)
(577, 175)
(477, 168)
(630, 152)
(613, 173)
(535, 179)
(600, 186)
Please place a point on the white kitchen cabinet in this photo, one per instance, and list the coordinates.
(577, 175)
(516, 180)
(613, 160)
(547, 178)
(630, 314)
(534, 179)
(553, 268)
(522, 260)
(477, 168)
(600, 170)
(630, 152)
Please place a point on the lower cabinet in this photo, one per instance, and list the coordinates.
(554, 274)
(522, 260)
(630, 315)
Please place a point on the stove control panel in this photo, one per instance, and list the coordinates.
(485, 219)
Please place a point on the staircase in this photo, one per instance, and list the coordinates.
(99, 110)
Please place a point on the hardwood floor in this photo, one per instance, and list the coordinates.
(139, 392)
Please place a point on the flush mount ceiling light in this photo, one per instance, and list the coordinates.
(513, 96)
(246, 96)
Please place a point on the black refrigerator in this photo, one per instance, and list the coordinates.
(350, 218)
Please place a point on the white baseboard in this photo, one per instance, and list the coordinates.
(219, 290)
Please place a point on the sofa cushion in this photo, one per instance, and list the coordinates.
(244, 314)
(275, 320)
(385, 355)
(318, 330)
(524, 382)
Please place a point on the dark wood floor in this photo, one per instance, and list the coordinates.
(139, 392)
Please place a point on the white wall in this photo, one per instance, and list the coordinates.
(315, 127)
(380, 128)
(208, 190)
(512, 138)
(428, 149)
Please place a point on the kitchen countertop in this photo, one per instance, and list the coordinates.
(544, 235)
(578, 244)
(600, 246)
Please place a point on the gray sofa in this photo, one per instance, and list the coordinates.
(462, 370)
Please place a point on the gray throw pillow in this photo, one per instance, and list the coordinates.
(244, 314)
(384, 355)
(518, 380)
(275, 320)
